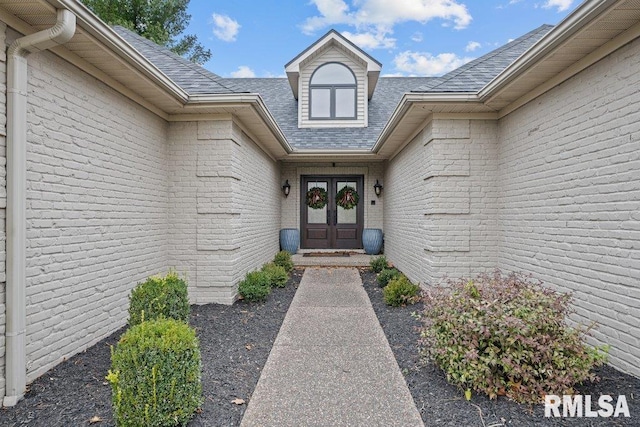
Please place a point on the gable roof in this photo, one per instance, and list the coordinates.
(322, 40)
(372, 66)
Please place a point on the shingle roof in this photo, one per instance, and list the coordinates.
(476, 74)
(193, 78)
(279, 99)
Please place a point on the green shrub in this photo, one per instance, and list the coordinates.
(400, 291)
(256, 286)
(386, 275)
(283, 259)
(378, 264)
(155, 374)
(506, 335)
(159, 297)
(278, 276)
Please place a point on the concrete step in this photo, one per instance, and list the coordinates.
(355, 259)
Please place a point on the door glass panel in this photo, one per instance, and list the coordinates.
(316, 216)
(346, 216)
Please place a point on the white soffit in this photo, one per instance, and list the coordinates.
(594, 34)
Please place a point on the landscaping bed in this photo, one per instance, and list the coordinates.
(235, 342)
(441, 404)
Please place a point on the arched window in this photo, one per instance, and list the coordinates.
(332, 93)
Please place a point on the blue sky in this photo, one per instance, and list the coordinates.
(252, 38)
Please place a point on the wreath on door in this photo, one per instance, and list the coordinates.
(317, 198)
(347, 198)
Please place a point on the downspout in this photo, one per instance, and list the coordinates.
(16, 304)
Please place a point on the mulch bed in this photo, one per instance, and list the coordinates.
(235, 342)
(442, 404)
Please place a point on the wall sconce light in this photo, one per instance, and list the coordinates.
(377, 188)
(286, 189)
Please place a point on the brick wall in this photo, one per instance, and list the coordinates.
(570, 197)
(224, 216)
(440, 216)
(96, 208)
(405, 240)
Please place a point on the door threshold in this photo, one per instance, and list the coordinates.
(326, 254)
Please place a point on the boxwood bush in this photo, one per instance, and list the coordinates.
(278, 276)
(378, 264)
(159, 297)
(506, 335)
(283, 259)
(386, 275)
(256, 286)
(400, 291)
(155, 374)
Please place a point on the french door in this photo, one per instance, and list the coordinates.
(332, 226)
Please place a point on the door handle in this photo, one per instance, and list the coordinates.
(335, 217)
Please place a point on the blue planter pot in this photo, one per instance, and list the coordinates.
(372, 240)
(289, 240)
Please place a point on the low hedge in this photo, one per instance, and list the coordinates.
(155, 374)
(159, 297)
(255, 287)
(400, 291)
(278, 276)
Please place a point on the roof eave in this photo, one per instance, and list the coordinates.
(252, 99)
(573, 23)
(106, 35)
(409, 99)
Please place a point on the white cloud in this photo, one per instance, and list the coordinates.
(225, 28)
(383, 15)
(561, 5)
(471, 46)
(426, 64)
(417, 37)
(243, 72)
(371, 40)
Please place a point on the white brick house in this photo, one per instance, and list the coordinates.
(122, 160)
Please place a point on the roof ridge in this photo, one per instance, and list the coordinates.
(172, 55)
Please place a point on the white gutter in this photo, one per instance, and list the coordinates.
(17, 53)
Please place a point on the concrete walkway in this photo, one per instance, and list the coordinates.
(331, 364)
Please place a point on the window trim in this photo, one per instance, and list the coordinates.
(332, 95)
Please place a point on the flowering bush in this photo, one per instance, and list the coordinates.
(506, 335)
